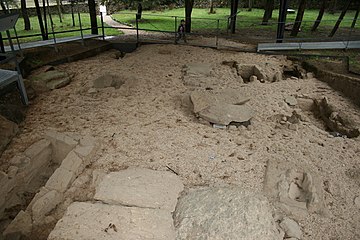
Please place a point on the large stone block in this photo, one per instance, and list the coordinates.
(45, 205)
(62, 144)
(224, 213)
(21, 226)
(37, 196)
(85, 221)
(8, 130)
(73, 163)
(141, 188)
(60, 180)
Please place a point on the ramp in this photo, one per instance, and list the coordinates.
(51, 42)
(308, 46)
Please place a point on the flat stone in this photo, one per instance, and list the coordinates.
(224, 113)
(50, 80)
(224, 213)
(84, 221)
(58, 83)
(291, 228)
(204, 99)
(196, 69)
(290, 100)
(141, 188)
(8, 130)
(45, 204)
(108, 80)
(60, 180)
(22, 225)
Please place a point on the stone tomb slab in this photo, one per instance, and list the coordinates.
(224, 213)
(204, 99)
(296, 192)
(140, 188)
(93, 221)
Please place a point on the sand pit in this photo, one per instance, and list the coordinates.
(148, 121)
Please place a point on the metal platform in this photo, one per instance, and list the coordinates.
(308, 46)
(51, 42)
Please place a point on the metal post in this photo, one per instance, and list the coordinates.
(137, 29)
(217, 33)
(102, 26)
(282, 19)
(81, 32)
(175, 28)
(72, 13)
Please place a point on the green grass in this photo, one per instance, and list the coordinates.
(165, 20)
(64, 26)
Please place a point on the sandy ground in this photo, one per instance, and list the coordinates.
(148, 123)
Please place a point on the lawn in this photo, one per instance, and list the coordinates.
(167, 20)
(64, 26)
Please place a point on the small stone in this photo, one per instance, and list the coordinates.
(290, 100)
(357, 202)
(232, 127)
(291, 228)
(310, 75)
(294, 78)
(293, 127)
(92, 91)
(12, 170)
(253, 78)
(277, 77)
(282, 122)
(218, 126)
(284, 118)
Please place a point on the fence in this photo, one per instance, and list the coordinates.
(212, 32)
(215, 32)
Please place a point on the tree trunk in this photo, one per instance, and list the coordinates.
(93, 20)
(59, 9)
(269, 7)
(25, 15)
(211, 11)
(356, 16)
(2, 48)
(45, 20)
(281, 21)
(333, 6)
(319, 17)
(337, 24)
(250, 5)
(299, 18)
(41, 24)
(233, 12)
(189, 4)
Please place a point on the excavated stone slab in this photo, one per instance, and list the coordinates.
(85, 221)
(141, 188)
(62, 144)
(204, 99)
(60, 180)
(224, 114)
(50, 80)
(224, 213)
(296, 192)
(196, 69)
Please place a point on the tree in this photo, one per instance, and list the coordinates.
(58, 4)
(41, 23)
(333, 6)
(211, 11)
(269, 7)
(319, 17)
(233, 13)
(189, 4)
(25, 15)
(299, 18)
(356, 16)
(93, 20)
(337, 24)
(250, 5)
